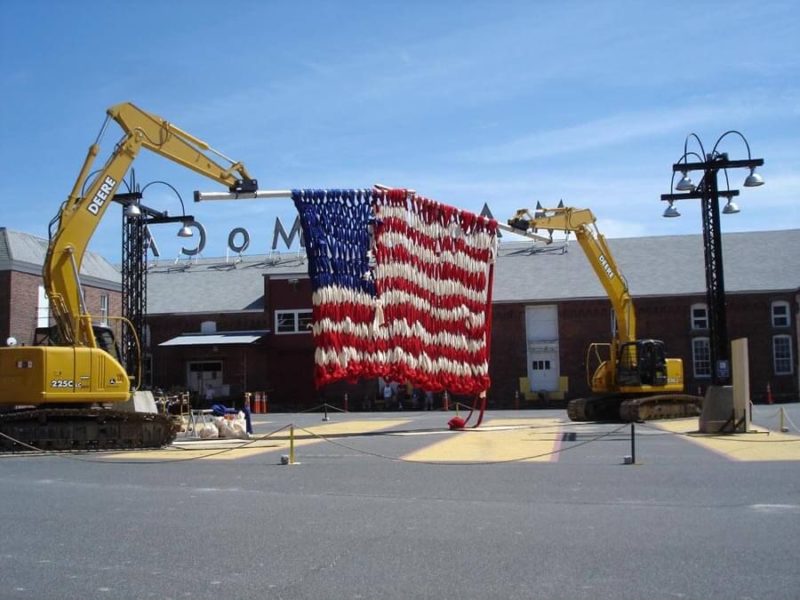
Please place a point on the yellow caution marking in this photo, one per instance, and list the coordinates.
(499, 440)
(758, 444)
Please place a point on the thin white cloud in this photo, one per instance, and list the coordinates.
(617, 129)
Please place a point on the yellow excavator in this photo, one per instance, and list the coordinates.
(70, 395)
(631, 379)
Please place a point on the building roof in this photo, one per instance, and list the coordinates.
(760, 261)
(214, 285)
(25, 253)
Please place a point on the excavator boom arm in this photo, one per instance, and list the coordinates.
(81, 213)
(581, 222)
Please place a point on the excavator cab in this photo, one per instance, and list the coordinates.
(103, 335)
(642, 363)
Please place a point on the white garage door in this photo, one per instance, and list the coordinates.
(541, 329)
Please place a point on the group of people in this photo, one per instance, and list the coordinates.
(400, 397)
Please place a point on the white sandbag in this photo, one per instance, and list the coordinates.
(225, 427)
(207, 431)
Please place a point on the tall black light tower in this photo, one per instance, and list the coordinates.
(708, 192)
(136, 241)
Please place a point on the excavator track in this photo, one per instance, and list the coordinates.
(66, 429)
(626, 409)
(661, 406)
(599, 408)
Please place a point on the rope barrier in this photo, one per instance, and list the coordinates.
(728, 437)
(561, 429)
(466, 463)
(79, 455)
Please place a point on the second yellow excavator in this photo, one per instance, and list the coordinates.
(631, 379)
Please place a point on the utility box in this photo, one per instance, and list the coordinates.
(741, 382)
(726, 409)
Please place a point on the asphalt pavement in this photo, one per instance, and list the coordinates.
(395, 505)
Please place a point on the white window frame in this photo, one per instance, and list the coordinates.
(104, 303)
(697, 361)
(786, 360)
(699, 323)
(780, 320)
(43, 309)
(297, 319)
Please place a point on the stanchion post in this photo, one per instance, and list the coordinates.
(633, 443)
(291, 444)
(346, 402)
(784, 428)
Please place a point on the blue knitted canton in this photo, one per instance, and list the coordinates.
(336, 231)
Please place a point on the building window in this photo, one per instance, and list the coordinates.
(699, 316)
(780, 314)
(42, 309)
(293, 321)
(782, 354)
(104, 309)
(701, 357)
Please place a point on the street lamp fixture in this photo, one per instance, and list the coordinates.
(132, 210)
(685, 185)
(731, 208)
(709, 193)
(185, 231)
(671, 211)
(754, 179)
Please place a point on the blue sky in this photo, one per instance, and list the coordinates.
(503, 103)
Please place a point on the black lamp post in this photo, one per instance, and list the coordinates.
(136, 219)
(709, 193)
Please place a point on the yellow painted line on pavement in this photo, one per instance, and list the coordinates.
(758, 445)
(233, 449)
(499, 440)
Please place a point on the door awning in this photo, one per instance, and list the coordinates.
(218, 338)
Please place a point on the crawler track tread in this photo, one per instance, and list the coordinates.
(626, 409)
(661, 406)
(69, 429)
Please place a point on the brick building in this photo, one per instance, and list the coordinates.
(23, 303)
(240, 324)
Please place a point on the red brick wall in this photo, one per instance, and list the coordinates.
(24, 299)
(283, 365)
(19, 298)
(584, 321)
(5, 305)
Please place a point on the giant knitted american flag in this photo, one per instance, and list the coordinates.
(401, 288)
